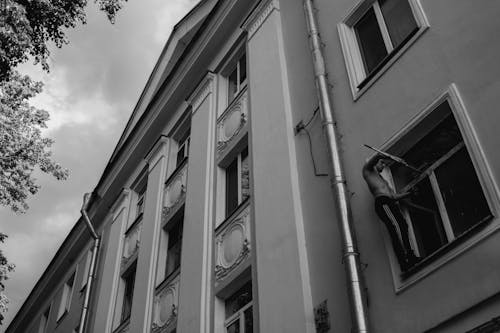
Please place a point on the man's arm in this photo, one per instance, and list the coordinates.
(404, 195)
(370, 164)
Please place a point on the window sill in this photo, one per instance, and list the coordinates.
(234, 213)
(137, 220)
(443, 255)
(358, 89)
(169, 278)
(176, 171)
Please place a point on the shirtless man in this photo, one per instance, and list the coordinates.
(387, 209)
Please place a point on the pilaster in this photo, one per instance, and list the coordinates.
(142, 304)
(195, 296)
(280, 267)
(119, 215)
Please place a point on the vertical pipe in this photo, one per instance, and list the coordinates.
(93, 263)
(350, 253)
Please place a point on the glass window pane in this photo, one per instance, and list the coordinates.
(370, 39)
(231, 187)
(399, 19)
(245, 176)
(434, 145)
(425, 218)
(243, 68)
(174, 247)
(233, 84)
(248, 320)
(129, 280)
(462, 192)
(234, 327)
(239, 299)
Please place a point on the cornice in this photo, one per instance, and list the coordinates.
(259, 15)
(204, 89)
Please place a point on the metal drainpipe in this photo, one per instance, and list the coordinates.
(93, 266)
(356, 291)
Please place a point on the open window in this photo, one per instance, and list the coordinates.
(453, 198)
(375, 33)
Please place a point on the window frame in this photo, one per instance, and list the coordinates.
(359, 80)
(235, 65)
(240, 200)
(238, 316)
(176, 222)
(86, 268)
(483, 173)
(66, 297)
(131, 271)
(44, 320)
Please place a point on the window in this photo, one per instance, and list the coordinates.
(183, 148)
(239, 315)
(237, 78)
(374, 34)
(237, 182)
(128, 279)
(66, 297)
(449, 201)
(86, 268)
(174, 246)
(43, 321)
(141, 197)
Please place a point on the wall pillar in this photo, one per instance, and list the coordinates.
(195, 296)
(111, 269)
(280, 266)
(142, 304)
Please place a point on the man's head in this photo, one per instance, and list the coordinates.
(381, 164)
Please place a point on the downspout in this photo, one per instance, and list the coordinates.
(93, 263)
(350, 252)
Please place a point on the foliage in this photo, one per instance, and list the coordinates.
(22, 146)
(27, 27)
(5, 268)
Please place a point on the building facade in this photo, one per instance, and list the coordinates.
(216, 211)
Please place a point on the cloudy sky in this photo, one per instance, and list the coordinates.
(90, 92)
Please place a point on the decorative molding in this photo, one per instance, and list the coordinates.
(239, 105)
(167, 325)
(168, 207)
(120, 203)
(204, 89)
(259, 15)
(158, 151)
(240, 221)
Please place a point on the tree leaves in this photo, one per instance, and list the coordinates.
(5, 268)
(22, 146)
(27, 27)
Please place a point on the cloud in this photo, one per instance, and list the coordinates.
(90, 92)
